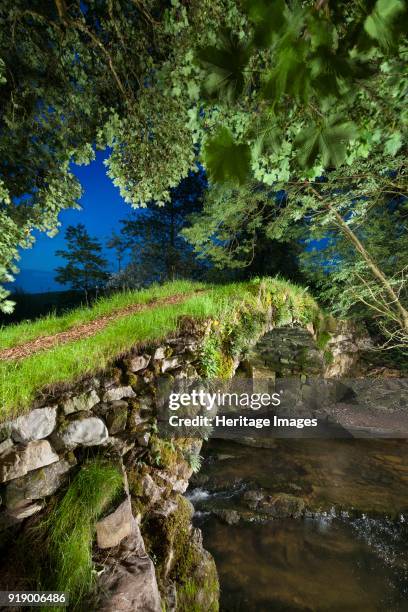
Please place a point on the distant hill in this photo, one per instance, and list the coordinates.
(34, 305)
(35, 281)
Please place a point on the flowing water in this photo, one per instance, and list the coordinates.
(348, 551)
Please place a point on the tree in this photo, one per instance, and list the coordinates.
(309, 102)
(232, 232)
(76, 75)
(86, 268)
(344, 282)
(159, 252)
(280, 92)
(118, 244)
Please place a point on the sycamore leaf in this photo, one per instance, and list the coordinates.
(225, 65)
(380, 24)
(225, 160)
(329, 140)
(268, 17)
(291, 75)
(322, 34)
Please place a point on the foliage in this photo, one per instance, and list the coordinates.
(194, 460)
(232, 231)
(69, 528)
(282, 92)
(210, 358)
(86, 268)
(341, 278)
(225, 159)
(158, 252)
(302, 62)
(72, 75)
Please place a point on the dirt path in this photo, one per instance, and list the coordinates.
(85, 330)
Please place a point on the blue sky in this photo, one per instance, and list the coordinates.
(102, 208)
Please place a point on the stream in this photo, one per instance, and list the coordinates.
(306, 525)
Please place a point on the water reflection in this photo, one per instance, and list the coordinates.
(301, 565)
(348, 552)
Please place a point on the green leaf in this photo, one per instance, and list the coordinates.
(328, 139)
(322, 34)
(393, 144)
(291, 75)
(268, 18)
(225, 160)
(225, 65)
(380, 24)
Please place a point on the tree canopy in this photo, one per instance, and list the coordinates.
(279, 93)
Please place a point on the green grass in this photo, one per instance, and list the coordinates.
(20, 381)
(70, 528)
(20, 333)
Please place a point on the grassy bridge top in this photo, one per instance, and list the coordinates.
(54, 350)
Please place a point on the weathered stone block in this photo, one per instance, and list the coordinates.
(170, 364)
(116, 417)
(140, 362)
(37, 424)
(150, 489)
(20, 460)
(37, 484)
(129, 582)
(159, 353)
(89, 431)
(112, 529)
(85, 401)
(118, 393)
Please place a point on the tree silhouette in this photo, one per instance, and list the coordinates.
(86, 268)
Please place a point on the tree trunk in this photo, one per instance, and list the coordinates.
(376, 271)
(171, 271)
(402, 312)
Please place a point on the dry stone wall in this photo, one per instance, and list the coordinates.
(113, 414)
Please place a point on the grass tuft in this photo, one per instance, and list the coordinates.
(70, 527)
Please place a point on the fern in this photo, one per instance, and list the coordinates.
(194, 461)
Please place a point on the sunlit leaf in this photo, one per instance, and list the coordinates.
(393, 144)
(380, 24)
(328, 140)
